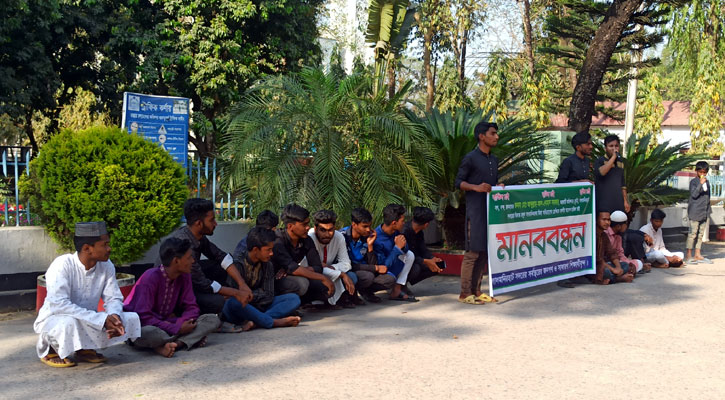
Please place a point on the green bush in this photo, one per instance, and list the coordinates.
(103, 173)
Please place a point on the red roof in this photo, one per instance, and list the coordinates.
(677, 113)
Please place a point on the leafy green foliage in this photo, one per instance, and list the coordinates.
(103, 173)
(495, 93)
(647, 168)
(322, 142)
(697, 47)
(650, 111)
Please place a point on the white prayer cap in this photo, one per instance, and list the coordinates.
(618, 216)
(90, 229)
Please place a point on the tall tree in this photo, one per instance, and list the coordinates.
(697, 46)
(601, 36)
(430, 18)
(212, 51)
(47, 46)
(650, 111)
(463, 17)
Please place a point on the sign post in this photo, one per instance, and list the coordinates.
(159, 119)
(539, 234)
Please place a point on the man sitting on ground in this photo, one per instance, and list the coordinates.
(265, 309)
(265, 219)
(330, 245)
(163, 292)
(425, 265)
(292, 245)
(391, 247)
(359, 240)
(617, 227)
(657, 254)
(633, 241)
(609, 269)
(210, 294)
(68, 321)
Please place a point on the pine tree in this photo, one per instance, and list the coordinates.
(582, 29)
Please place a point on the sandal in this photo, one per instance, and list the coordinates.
(402, 297)
(487, 299)
(90, 356)
(62, 363)
(471, 300)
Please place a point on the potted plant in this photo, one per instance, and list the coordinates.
(106, 174)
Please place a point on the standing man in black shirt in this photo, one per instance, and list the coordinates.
(291, 246)
(476, 176)
(425, 265)
(576, 167)
(610, 189)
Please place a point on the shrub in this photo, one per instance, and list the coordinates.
(103, 173)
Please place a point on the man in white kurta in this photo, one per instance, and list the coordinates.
(68, 321)
(331, 247)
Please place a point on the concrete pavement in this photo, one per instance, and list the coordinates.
(662, 336)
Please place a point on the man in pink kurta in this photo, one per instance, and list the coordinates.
(619, 219)
(163, 291)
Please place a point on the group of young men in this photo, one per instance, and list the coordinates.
(274, 270)
(622, 253)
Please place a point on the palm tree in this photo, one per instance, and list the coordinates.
(323, 142)
(519, 151)
(389, 23)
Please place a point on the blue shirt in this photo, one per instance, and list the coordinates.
(386, 250)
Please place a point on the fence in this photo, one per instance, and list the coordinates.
(202, 176)
(198, 178)
(15, 162)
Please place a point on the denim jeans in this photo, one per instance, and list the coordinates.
(353, 277)
(282, 306)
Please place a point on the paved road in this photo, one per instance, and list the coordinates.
(660, 337)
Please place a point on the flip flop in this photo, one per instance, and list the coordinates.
(471, 300)
(65, 364)
(705, 261)
(487, 299)
(227, 327)
(401, 297)
(565, 284)
(90, 356)
(694, 261)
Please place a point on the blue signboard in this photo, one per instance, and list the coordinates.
(160, 119)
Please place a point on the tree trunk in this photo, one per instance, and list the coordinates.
(595, 63)
(528, 38)
(391, 79)
(429, 80)
(462, 62)
(28, 128)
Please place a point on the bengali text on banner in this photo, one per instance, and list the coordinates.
(539, 234)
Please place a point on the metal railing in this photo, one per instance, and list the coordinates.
(203, 178)
(15, 161)
(225, 206)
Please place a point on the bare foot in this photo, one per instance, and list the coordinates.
(248, 326)
(287, 321)
(625, 278)
(167, 350)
